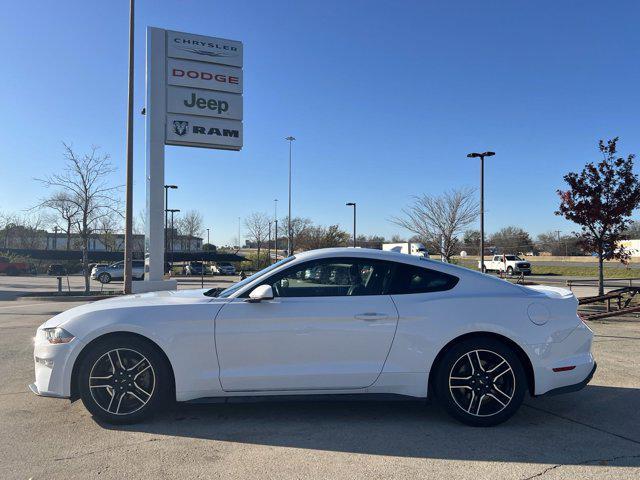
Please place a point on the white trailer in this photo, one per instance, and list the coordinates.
(410, 248)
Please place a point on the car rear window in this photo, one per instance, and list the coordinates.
(410, 279)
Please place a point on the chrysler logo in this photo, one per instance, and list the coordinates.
(180, 127)
(207, 53)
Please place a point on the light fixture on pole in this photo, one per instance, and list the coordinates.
(128, 217)
(289, 236)
(353, 204)
(166, 213)
(481, 157)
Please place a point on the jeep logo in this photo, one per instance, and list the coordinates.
(219, 106)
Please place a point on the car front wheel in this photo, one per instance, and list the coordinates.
(124, 380)
(480, 382)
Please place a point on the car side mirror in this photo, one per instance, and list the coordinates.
(263, 292)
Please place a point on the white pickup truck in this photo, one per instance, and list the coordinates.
(511, 264)
(410, 248)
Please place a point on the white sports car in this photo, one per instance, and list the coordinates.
(366, 322)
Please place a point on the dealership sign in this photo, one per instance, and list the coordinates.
(199, 88)
(193, 99)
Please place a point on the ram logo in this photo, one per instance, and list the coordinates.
(180, 127)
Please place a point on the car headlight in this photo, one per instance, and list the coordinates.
(57, 335)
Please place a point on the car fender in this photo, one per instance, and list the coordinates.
(183, 332)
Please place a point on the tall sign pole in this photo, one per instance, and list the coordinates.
(194, 99)
(128, 228)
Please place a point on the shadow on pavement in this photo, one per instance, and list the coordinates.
(598, 425)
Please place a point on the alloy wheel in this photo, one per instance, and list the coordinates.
(482, 383)
(122, 381)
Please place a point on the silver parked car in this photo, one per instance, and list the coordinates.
(225, 268)
(115, 271)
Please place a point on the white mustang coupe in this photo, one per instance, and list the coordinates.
(334, 321)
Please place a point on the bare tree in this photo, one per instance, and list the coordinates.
(107, 228)
(84, 181)
(257, 227)
(299, 225)
(439, 220)
(190, 225)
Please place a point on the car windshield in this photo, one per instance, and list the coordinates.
(217, 292)
(513, 257)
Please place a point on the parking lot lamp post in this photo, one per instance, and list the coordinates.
(269, 246)
(166, 213)
(289, 237)
(481, 157)
(353, 204)
(207, 236)
(275, 217)
(172, 211)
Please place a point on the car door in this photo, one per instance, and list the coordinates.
(324, 329)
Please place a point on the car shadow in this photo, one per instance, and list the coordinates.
(598, 425)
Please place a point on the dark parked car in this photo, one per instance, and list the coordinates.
(56, 270)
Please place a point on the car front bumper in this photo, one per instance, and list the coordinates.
(53, 365)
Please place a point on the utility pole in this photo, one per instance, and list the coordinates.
(208, 237)
(481, 157)
(289, 237)
(239, 241)
(55, 237)
(128, 228)
(353, 204)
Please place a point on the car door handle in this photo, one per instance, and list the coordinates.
(371, 316)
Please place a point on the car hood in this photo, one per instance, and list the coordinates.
(172, 297)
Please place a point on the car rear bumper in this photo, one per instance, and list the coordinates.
(572, 388)
(564, 365)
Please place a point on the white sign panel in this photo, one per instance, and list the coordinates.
(204, 75)
(204, 49)
(204, 132)
(208, 103)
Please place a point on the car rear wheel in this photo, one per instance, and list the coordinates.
(510, 271)
(124, 380)
(480, 382)
(104, 277)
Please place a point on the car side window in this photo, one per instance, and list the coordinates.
(335, 277)
(410, 279)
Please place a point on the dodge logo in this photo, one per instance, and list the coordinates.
(180, 128)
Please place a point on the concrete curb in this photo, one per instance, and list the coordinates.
(63, 298)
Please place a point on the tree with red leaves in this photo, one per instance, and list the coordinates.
(601, 200)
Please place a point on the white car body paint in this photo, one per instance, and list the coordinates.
(222, 347)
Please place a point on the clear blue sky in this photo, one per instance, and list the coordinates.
(385, 99)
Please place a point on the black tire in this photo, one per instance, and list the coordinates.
(104, 277)
(510, 271)
(117, 356)
(457, 396)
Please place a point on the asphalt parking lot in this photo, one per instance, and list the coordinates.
(594, 433)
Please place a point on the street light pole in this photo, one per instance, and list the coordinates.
(208, 237)
(289, 237)
(166, 212)
(172, 211)
(128, 222)
(481, 157)
(275, 217)
(353, 204)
